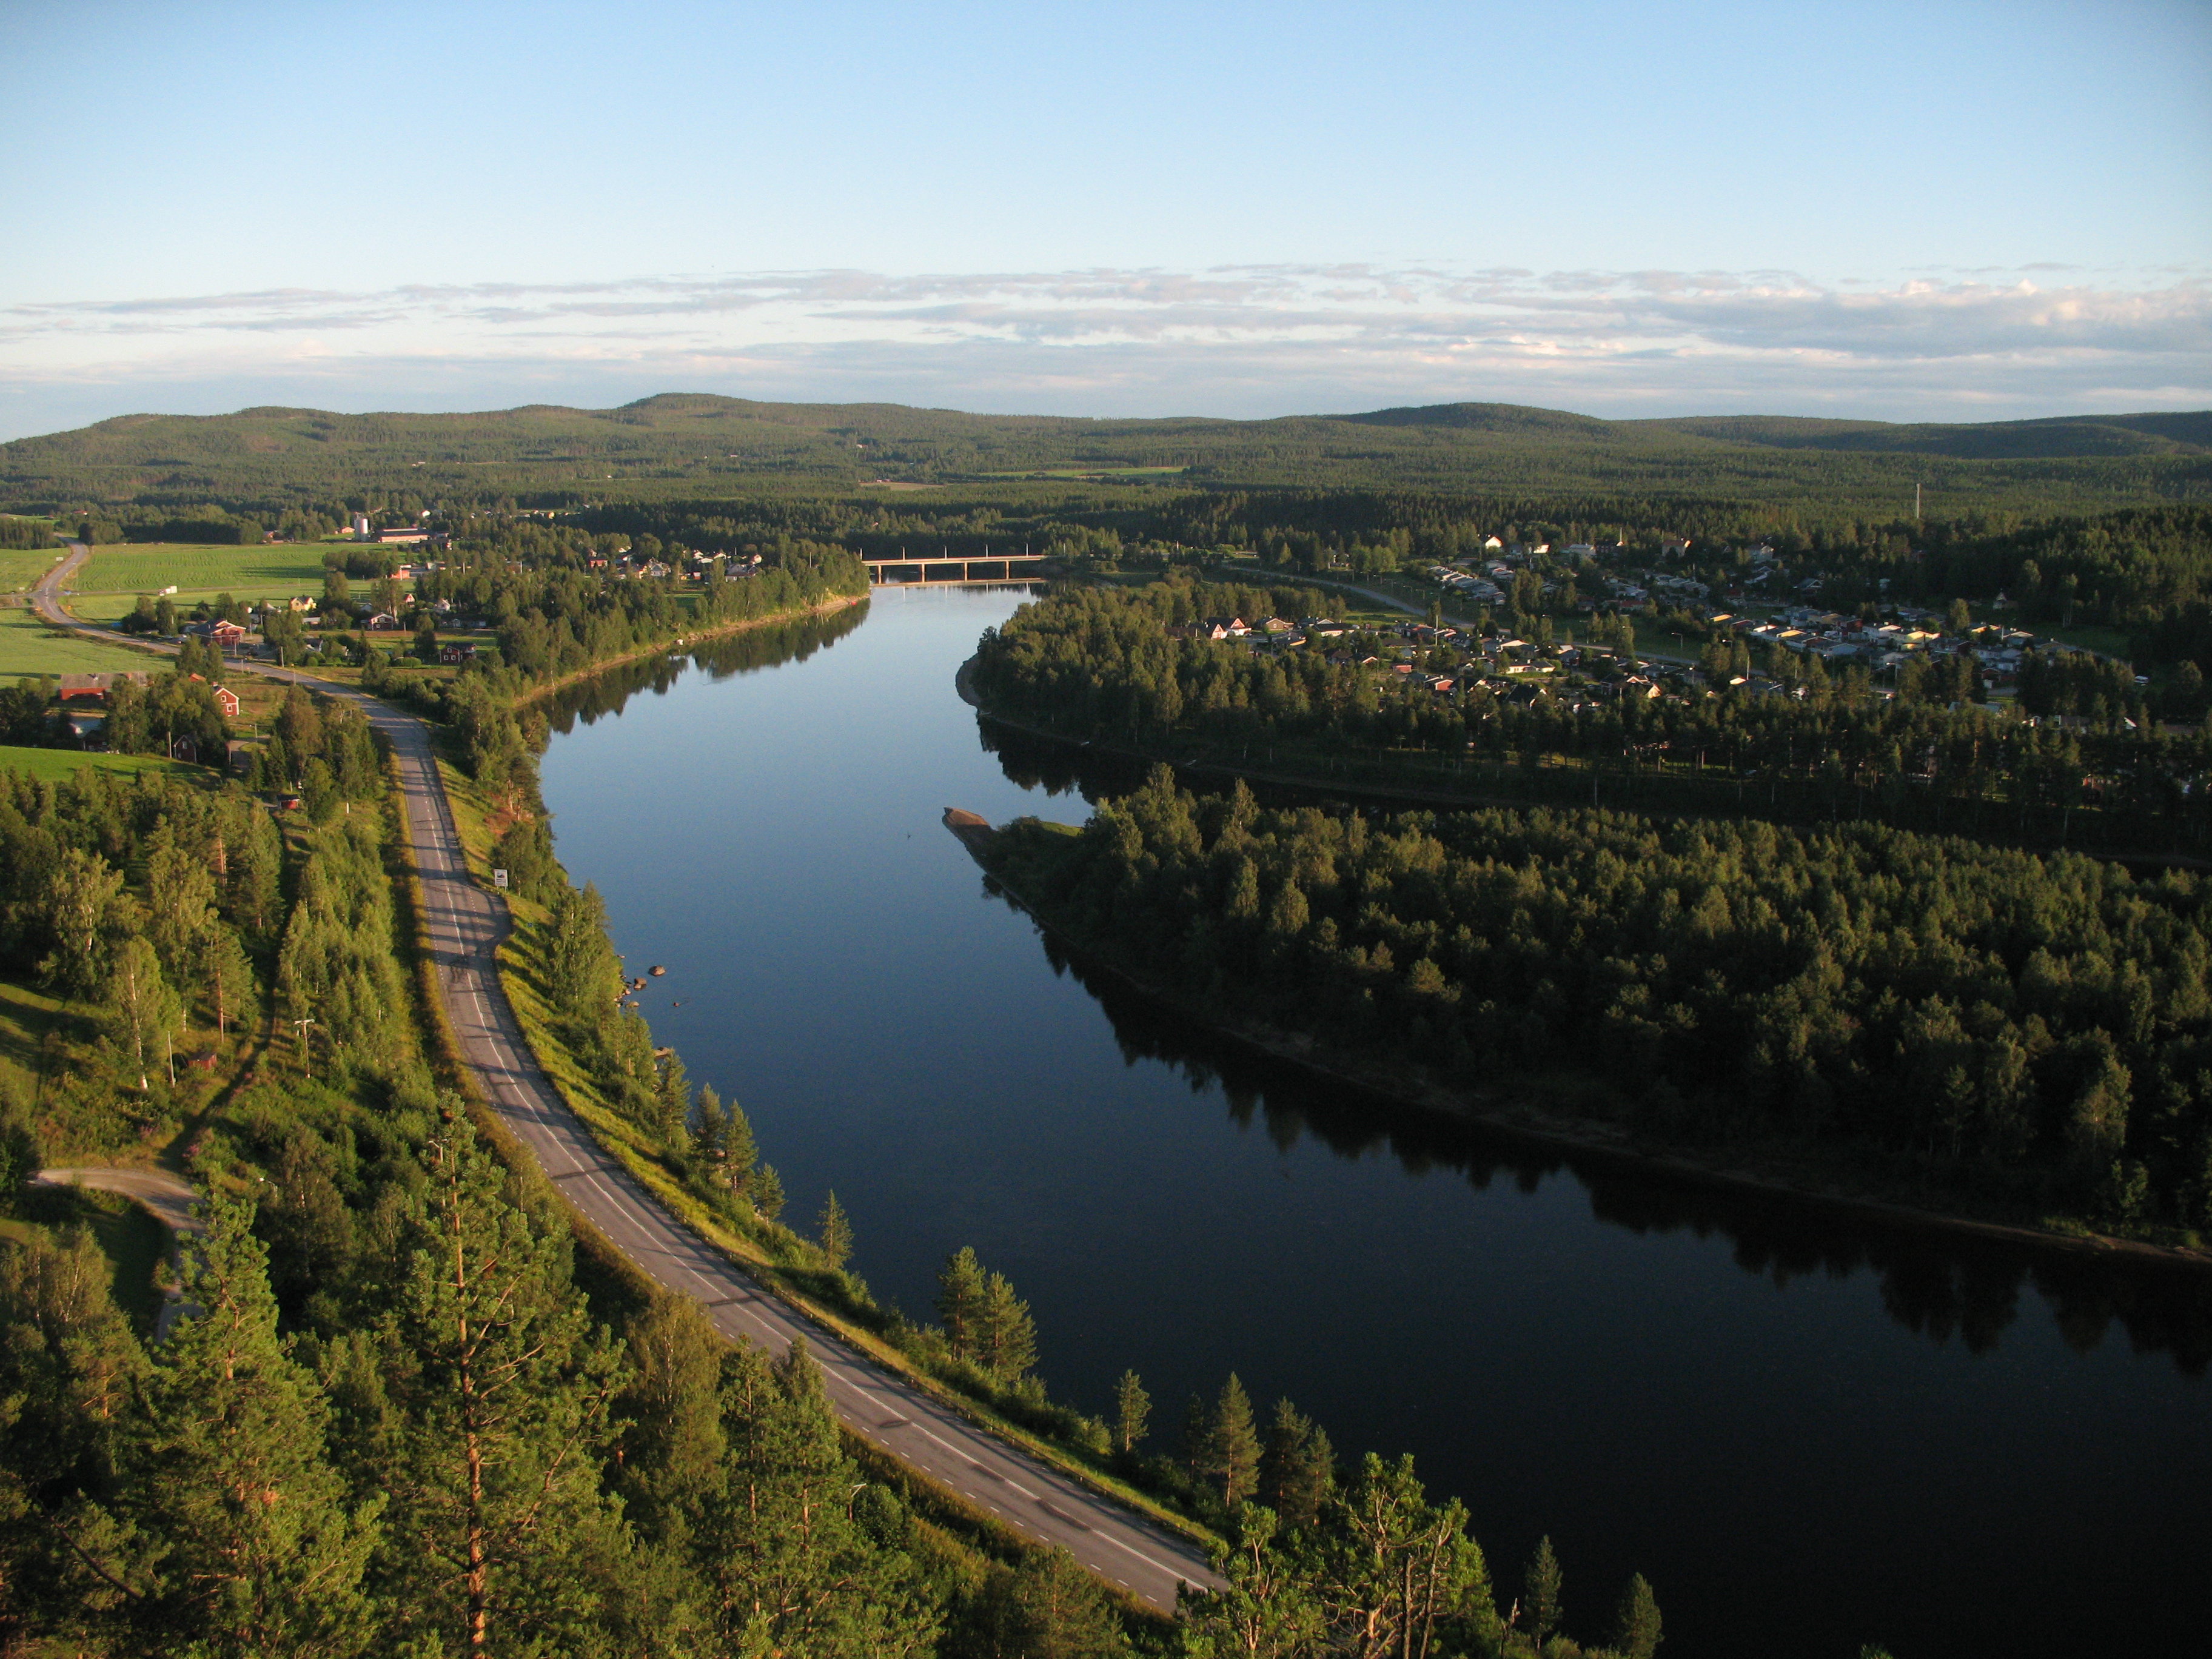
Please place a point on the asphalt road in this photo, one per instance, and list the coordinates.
(465, 925)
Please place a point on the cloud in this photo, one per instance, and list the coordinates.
(1238, 340)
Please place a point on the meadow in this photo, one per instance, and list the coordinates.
(20, 569)
(27, 646)
(130, 569)
(52, 765)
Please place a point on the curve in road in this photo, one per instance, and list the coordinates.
(1146, 1562)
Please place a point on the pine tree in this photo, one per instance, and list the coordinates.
(264, 1553)
(1232, 1448)
(1132, 1407)
(788, 1567)
(503, 1398)
(1048, 1608)
(1540, 1594)
(228, 979)
(768, 1193)
(836, 1233)
(70, 1370)
(1639, 1621)
(1006, 1343)
(1410, 1575)
(673, 1442)
(1297, 1469)
(672, 1097)
(740, 1152)
(960, 1293)
(255, 859)
(1271, 1604)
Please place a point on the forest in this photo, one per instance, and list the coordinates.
(266, 463)
(2031, 1031)
(400, 1407)
(1107, 662)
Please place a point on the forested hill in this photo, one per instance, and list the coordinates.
(682, 447)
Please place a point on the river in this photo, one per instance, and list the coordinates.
(1809, 1431)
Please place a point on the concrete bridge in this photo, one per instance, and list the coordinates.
(945, 570)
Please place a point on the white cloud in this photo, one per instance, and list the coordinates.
(1245, 340)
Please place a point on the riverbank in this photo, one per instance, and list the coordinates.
(784, 1263)
(827, 607)
(1776, 1168)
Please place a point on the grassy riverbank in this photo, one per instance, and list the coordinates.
(782, 1259)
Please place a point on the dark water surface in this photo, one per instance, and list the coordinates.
(1808, 1431)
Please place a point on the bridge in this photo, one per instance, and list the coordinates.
(945, 570)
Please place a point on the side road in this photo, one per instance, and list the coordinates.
(465, 926)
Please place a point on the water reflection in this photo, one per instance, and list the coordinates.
(1935, 1283)
(748, 651)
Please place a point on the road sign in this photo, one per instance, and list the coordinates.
(499, 879)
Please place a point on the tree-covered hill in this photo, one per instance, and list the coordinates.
(689, 446)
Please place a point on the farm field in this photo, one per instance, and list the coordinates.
(52, 765)
(27, 646)
(133, 569)
(20, 569)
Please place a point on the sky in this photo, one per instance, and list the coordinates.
(1929, 211)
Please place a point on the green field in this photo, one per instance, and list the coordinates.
(57, 763)
(19, 570)
(245, 572)
(27, 646)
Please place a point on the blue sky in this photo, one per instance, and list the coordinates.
(1941, 212)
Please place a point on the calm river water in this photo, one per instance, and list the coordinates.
(1809, 1432)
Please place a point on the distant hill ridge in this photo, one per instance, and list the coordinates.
(698, 445)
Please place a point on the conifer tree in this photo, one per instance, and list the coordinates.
(961, 1289)
(1232, 1448)
(1409, 1574)
(499, 1522)
(672, 1096)
(179, 906)
(579, 963)
(1639, 1638)
(673, 1441)
(69, 1372)
(835, 1231)
(263, 1553)
(1270, 1606)
(1297, 1470)
(1540, 1594)
(1132, 1407)
(1006, 1342)
(227, 977)
(768, 1193)
(1046, 1606)
(790, 1569)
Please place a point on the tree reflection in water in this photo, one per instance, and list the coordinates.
(1936, 1282)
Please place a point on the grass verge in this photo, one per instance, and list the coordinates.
(522, 974)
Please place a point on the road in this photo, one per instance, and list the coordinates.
(465, 926)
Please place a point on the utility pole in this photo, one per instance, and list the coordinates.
(1915, 502)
